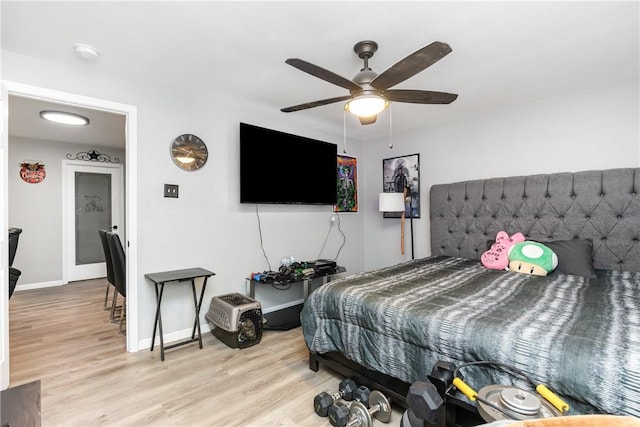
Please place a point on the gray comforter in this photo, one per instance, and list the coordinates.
(578, 336)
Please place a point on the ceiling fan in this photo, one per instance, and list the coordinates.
(369, 92)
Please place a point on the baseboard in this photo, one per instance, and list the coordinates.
(40, 285)
(170, 337)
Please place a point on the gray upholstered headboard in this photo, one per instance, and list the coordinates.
(602, 205)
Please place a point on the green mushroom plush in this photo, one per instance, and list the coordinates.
(532, 258)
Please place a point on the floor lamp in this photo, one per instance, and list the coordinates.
(394, 202)
(409, 199)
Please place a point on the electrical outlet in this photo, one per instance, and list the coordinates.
(171, 190)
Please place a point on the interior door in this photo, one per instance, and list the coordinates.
(94, 201)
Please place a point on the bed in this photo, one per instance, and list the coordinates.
(576, 330)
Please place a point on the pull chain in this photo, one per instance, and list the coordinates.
(390, 128)
(344, 130)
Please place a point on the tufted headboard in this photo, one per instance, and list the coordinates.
(602, 205)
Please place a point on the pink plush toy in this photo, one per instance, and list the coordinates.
(497, 258)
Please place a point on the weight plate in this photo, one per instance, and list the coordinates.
(520, 407)
(359, 412)
(520, 401)
(383, 405)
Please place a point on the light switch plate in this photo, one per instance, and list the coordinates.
(171, 190)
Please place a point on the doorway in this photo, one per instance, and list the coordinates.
(130, 234)
(93, 194)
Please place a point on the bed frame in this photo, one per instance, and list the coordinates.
(602, 205)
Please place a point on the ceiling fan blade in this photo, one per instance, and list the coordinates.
(411, 65)
(368, 120)
(323, 74)
(419, 96)
(315, 104)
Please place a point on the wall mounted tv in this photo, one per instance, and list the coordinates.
(277, 167)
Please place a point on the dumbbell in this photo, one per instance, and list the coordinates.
(423, 404)
(339, 411)
(323, 401)
(379, 407)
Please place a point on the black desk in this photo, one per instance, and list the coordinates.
(289, 317)
(305, 280)
(189, 274)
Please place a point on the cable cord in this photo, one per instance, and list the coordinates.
(326, 237)
(344, 239)
(510, 369)
(261, 242)
(280, 287)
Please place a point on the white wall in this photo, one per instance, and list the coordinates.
(37, 208)
(206, 226)
(591, 129)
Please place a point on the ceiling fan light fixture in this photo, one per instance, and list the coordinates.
(367, 105)
(64, 118)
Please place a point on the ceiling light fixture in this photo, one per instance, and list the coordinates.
(367, 104)
(64, 118)
(86, 52)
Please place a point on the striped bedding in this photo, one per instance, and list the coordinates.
(578, 336)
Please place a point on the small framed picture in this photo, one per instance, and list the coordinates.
(399, 173)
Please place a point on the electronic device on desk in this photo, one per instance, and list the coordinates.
(236, 320)
(324, 266)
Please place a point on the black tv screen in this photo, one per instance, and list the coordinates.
(278, 167)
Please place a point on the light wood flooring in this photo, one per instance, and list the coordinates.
(63, 337)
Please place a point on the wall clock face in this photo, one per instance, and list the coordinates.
(189, 152)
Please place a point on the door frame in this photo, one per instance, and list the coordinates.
(131, 215)
(67, 213)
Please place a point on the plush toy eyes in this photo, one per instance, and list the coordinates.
(531, 270)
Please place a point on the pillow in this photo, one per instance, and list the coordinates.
(574, 257)
(532, 258)
(497, 256)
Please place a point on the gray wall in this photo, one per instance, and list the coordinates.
(595, 128)
(37, 208)
(206, 226)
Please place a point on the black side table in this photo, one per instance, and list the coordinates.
(159, 280)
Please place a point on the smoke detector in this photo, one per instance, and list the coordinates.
(86, 52)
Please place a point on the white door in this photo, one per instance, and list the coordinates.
(94, 194)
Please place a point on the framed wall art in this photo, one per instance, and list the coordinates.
(32, 172)
(401, 172)
(347, 185)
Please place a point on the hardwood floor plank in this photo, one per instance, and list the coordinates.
(63, 337)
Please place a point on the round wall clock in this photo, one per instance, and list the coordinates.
(189, 152)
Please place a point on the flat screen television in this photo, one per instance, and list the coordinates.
(278, 167)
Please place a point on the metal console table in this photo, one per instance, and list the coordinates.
(289, 317)
(306, 282)
(186, 275)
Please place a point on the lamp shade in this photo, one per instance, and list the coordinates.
(391, 202)
(366, 105)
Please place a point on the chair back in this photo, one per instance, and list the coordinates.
(119, 263)
(14, 235)
(107, 256)
(14, 275)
